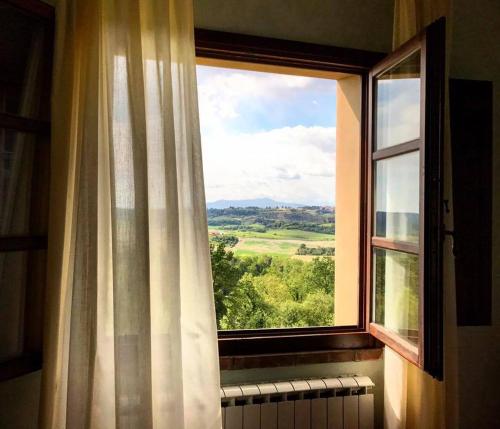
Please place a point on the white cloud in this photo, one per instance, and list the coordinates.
(398, 111)
(290, 164)
(222, 92)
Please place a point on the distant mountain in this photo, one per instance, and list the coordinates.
(256, 202)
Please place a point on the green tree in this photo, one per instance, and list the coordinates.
(321, 275)
(225, 275)
(268, 292)
(245, 307)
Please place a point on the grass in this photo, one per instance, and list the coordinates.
(277, 242)
(251, 247)
(280, 234)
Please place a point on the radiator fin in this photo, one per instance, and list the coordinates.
(366, 411)
(336, 413)
(234, 418)
(350, 412)
(303, 414)
(269, 416)
(319, 416)
(251, 417)
(286, 415)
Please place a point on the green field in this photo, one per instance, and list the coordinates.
(277, 234)
(276, 242)
(273, 231)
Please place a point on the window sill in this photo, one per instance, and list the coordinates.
(291, 350)
(21, 365)
(295, 359)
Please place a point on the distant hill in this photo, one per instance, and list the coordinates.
(257, 202)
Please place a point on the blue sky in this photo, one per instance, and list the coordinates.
(267, 135)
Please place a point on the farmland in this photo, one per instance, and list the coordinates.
(274, 231)
(272, 267)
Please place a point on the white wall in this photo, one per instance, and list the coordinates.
(476, 55)
(361, 24)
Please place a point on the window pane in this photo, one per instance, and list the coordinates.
(17, 271)
(398, 103)
(24, 169)
(21, 62)
(396, 292)
(397, 197)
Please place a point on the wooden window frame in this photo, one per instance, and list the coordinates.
(284, 346)
(275, 347)
(428, 355)
(30, 358)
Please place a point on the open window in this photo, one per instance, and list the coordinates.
(387, 278)
(319, 296)
(405, 231)
(281, 159)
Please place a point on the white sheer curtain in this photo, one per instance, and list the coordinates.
(131, 335)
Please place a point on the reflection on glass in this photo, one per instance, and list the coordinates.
(21, 61)
(18, 157)
(17, 271)
(395, 276)
(397, 197)
(398, 103)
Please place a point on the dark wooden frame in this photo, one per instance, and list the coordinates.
(431, 44)
(30, 358)
(270, 347)
(263, 50)
(34, 8)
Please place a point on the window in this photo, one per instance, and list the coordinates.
(269, 145)
(390, 259)
(405, 231)
(26, 43)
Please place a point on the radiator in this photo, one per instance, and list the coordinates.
(326, 403)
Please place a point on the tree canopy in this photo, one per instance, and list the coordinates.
(267, 291)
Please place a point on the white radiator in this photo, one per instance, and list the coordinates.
(327, 403)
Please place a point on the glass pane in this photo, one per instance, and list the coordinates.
(17, 270)
(398, 103)
(397, 197)
(24, 169)
(396, 292)
(22, 40)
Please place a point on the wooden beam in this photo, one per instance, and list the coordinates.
(263, 50)
(26, 125)
(17, 243)
(20, 365)
(399, 149)
(36, 8)
(402, 246)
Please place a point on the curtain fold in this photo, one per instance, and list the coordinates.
(412, 16)
(131, 339)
